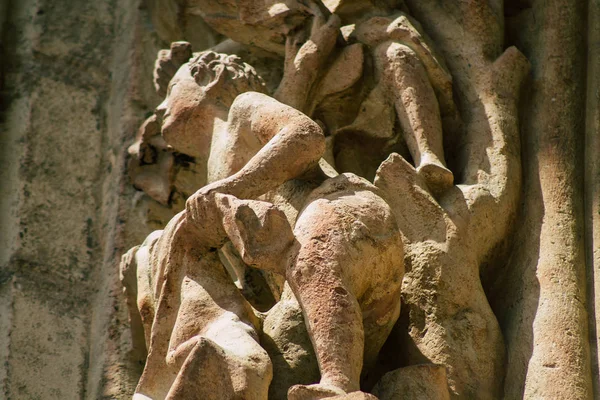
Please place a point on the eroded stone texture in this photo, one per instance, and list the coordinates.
(340, 175)
(424, 381)
(56, 154)
(367, 230)
(547, 336)
(346, 259)
(286, 340)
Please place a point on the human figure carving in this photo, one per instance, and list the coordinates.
(197, 324)
(446, 240)
(407, 75)
(452, 241)
(365, 236)
(346, 258)
(452, 236)
(402, 83)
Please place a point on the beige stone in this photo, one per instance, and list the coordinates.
(424, 381)
(351, 132)
(367, 235)
(344, 225)
(285, 338)
(355, 396)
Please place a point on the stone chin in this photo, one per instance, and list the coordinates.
(188, 132)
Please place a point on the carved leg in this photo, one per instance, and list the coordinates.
(204, 375)
(196, 298)
(418, 111)
(334, 323)
(226, 362)
(331, 311)
(128, 276)
(349, 267)
(249, 364)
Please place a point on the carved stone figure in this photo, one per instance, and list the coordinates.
(500, 293)
(339, 240)
(345, 266)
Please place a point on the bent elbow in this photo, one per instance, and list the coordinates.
(316, 137)
(310, 134)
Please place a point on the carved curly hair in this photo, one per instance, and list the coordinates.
(227, 75)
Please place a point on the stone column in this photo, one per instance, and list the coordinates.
(592, 186)
(545, 310)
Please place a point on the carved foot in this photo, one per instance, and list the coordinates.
(319, 391)
(355, 396)
(436, 175)
(313, 392)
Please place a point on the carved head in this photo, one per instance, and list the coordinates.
(199, 96)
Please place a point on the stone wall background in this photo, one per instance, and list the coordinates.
(76, 83)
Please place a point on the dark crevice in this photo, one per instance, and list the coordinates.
(515, 7)
(5, 11)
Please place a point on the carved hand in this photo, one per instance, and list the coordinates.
(202, 211)
(259, 231)
(200, 206)
(304, 61)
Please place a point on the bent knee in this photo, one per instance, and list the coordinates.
(392, 55)
(248, 363)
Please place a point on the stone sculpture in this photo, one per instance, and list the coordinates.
(340, 241)
(365, 234)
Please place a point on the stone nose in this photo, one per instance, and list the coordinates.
(160, 111)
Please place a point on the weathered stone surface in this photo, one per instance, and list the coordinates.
(56, 154)
(592, 190)
(369, 238)
(355, 396)
(72, 79)
(342, 224)
(424, 381)
(286, 340)
(545, 310)
(421, 99)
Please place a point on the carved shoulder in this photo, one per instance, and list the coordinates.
(266, 116)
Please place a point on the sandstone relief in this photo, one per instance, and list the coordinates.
(352, 169)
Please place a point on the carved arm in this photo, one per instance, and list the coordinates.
(303, 62)
(289, 145)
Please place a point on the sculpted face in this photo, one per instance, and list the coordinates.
(187, 115)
